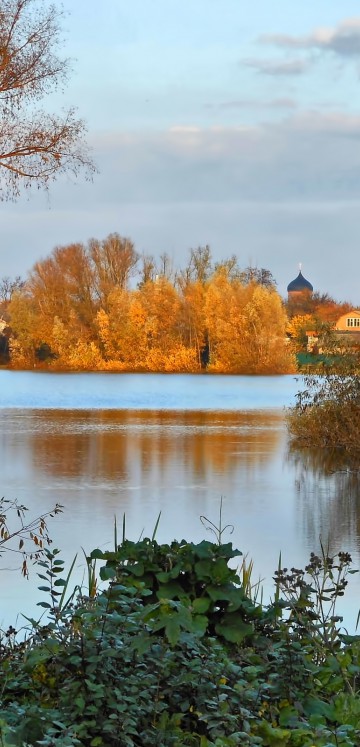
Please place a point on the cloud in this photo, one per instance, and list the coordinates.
(275, 193)
(343, 40)
(256, 104)
(185, 129)
(331, 124)
(306, 156)
(278, 67)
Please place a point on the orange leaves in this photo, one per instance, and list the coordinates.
(246, 328)
(77, 304)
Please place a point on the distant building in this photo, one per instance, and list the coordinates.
(299, 288)
(349, 322)
(348, 326)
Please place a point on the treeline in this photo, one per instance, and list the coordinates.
(101, 306)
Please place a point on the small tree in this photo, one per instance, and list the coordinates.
(35, 146)
(8, 286)
(327, 410)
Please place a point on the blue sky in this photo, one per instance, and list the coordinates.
(231, 123)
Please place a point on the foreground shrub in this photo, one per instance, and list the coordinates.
(173, 652)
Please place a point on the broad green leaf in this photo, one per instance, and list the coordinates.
(201, 605)
(233, 628)
(107, 572)
(137, 569)
(170, 590)
(172, 630)
(317, 707)
(96, 554)
(199, 624)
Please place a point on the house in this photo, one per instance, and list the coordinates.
(348, 327)
(349, 322)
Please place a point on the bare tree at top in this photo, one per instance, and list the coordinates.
(35, 146)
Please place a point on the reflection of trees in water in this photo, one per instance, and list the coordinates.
(119, 445)
(328, 494)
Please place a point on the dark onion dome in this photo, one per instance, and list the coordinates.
(299, 284)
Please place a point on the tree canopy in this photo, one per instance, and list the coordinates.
(80, 309)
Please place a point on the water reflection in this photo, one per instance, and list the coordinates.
(125, 446)
(100, 463)
(328, 497)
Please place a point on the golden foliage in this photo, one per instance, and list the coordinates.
(77, 304)
(246, 328)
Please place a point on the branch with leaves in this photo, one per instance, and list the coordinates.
(25, 538)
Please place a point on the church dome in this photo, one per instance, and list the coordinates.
(299, 285)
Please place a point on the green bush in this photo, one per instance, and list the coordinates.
(172, 652)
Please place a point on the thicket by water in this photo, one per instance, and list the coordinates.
(327, 412)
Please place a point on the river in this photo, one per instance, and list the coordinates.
(105, 445)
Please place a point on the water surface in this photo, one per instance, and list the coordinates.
(97, 391)
(174, 444)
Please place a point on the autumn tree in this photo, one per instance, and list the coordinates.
(321, 306)
(61, 287)
(8, 286)
(230, 266)
(161, 307)
(165, 266)
(25, 338)
(259, 275)
(147, 270)
(117, 336)
(267, 351)
(53, 312)
(326, 309)
(192, 320)
(114, 261)
(246, 325)
(297, 330)
(141, 329)
(199, 267)
(78, 308)
(35, 146)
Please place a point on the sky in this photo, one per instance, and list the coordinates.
(223, 122)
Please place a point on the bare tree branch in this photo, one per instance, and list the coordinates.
(35, 147)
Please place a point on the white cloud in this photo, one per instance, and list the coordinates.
(330, 124)
(343, 40)
(256, 104)
(184, 129)
(306, 156)
(278, 67)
